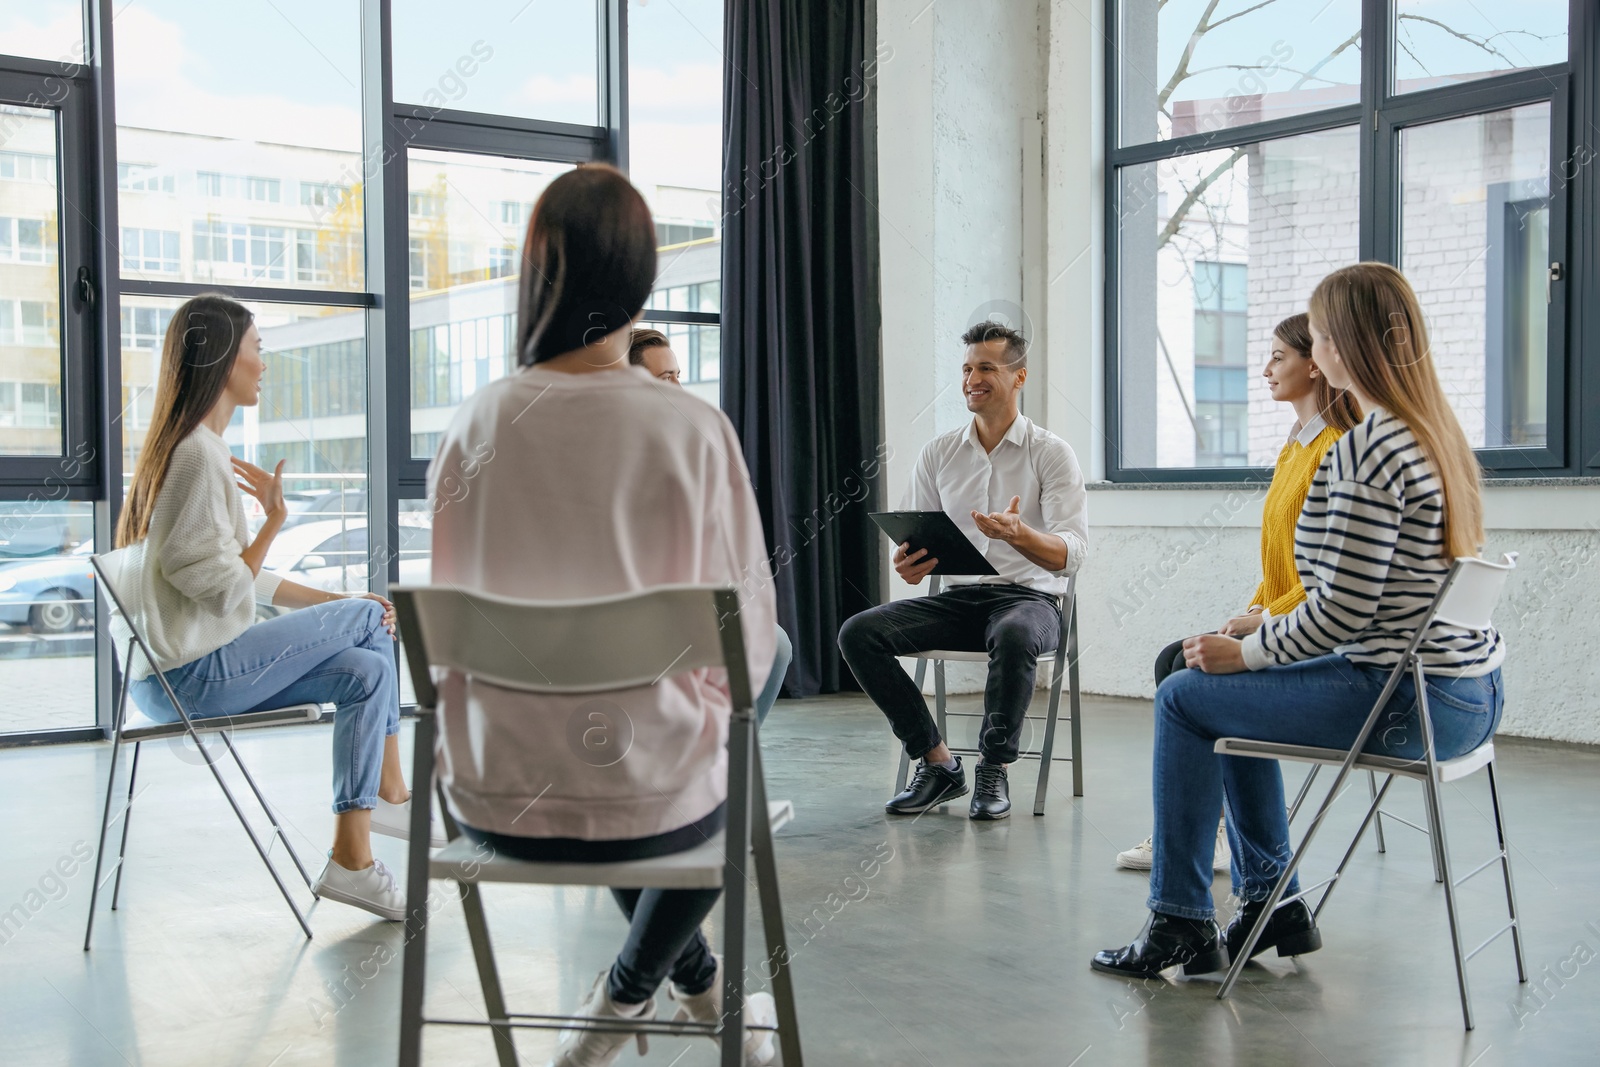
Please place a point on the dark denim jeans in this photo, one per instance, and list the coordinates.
(1013, 623)
(1320, 702)
(664, 936)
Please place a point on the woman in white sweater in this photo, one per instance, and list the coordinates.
(1394, 501)
(195, 576)
(581, 476)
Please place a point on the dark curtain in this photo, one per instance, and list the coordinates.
(800, 357)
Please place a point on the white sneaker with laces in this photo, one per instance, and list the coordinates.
(759, 1010)
(600, 1048)
(394, 820)
(371, 889)
(1139, 857)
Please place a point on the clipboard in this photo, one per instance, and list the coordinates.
(938, 533)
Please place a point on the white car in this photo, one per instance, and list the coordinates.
(332, 554)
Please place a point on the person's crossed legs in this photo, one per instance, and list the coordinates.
(1014, 624)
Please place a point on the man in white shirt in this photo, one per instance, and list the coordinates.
(1015, 490)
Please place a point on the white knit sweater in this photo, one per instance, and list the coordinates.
(186, 582)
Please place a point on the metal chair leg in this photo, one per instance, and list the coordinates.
(1305, 787)
(105, 815)
(272, 815)
(1344, 861)
(1074, 701)
(488, 974)
(413, 980)
(1047, 750)
(1436, 820)
(1377, 821)
(1435, 806)
(1505, 870)
(127, 819)
(772, 918)
(939, 707)
(905, 757)
(741, 745)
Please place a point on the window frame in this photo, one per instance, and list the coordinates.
(1572, 445)
(92, 379)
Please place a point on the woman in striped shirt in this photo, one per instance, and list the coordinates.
(1323, 414)
(1392, 504)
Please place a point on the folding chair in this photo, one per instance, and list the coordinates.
(111, 567)
(1064, 660)
(1467, 598)
(591, 646)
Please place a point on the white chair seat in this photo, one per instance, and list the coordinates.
(966, 657)
(697, 868)
(1449, 770)
(140, 728)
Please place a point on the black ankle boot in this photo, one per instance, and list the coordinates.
(1166, 941)
(1291, 930)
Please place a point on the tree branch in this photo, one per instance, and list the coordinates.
(1241, 14)
(1181, 72)
(1176, 219)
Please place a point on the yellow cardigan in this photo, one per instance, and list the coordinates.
(1280, 591)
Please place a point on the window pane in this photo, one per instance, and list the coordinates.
(1438, 42)
(1475, 233)
(312, 415)
(675, 138)
(535, 59)
(244, 163)
(1197, 66)
(30, 285)
(463, 279)
(699, 353)
(1214, 250)
(47, 609)
(43, 29)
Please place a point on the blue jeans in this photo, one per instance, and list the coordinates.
(780, 667)
(336, 653)
(1321, 702)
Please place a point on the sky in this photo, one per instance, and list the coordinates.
(1308, 30)
(287, 71)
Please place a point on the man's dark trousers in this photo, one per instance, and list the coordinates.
(1014, 624)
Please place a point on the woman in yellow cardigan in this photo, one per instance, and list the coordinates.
(1322, 415)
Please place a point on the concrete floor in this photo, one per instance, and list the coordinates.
(968, 945)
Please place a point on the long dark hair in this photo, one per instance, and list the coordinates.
(197, 357)
(1339, 409)
(588, 263)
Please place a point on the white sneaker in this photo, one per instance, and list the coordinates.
(600, 1048)
(1138, 858)
(759, 1010)
(1221, 858)
(394, 820)
(372, 889)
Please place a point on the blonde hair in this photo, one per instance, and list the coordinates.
(1372, 315)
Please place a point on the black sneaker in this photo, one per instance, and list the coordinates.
(991, 792)
(930, 787)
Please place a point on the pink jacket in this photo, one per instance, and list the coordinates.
(556, 486)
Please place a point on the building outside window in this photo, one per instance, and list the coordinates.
(1438, 158)
(144, 251)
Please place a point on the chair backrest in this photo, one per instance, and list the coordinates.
(572, 646)
(1473, 590)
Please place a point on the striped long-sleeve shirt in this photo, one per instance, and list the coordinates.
(1369, 548)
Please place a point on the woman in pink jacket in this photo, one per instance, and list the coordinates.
(581, 476)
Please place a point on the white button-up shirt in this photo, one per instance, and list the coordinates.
(956, 476)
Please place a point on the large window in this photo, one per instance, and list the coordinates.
(1253, 150)
(375, 237)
